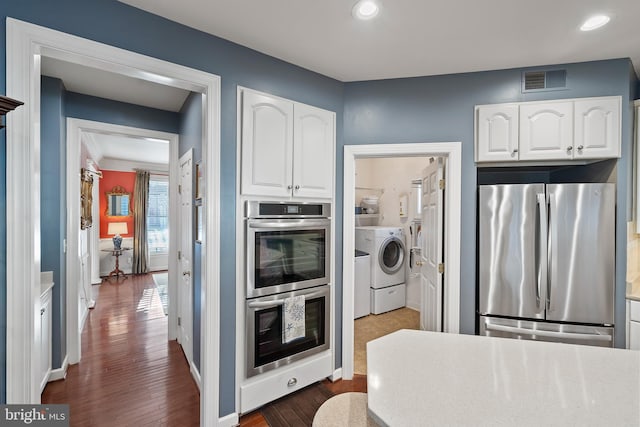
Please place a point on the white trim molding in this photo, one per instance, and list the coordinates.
(60, 373)
(337, 375)
(196, 375)
(453, 152)
(26, 44)
(230, 420)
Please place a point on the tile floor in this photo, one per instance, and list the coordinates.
(375, 326)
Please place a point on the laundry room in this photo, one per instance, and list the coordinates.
(388, 234)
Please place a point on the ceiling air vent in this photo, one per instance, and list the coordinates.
(544, 80)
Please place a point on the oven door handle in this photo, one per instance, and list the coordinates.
(289, 223)
(265, 304)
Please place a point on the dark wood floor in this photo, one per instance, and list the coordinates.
(130, 374)
(359, 383)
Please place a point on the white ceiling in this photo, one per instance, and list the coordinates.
(415, 37)
(122, 147)
(81, 79)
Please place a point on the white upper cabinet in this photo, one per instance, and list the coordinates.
(597, 128)
(288, 148)
(546, 131)
(549, 132)
(313, 152)
(267, 145)
(497, 132)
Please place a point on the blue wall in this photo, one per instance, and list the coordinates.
(117, 24)
(390, 111)
(191, 137)
(53, 205)
(441, 108)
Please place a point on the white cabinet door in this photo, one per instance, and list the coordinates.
(267, 141)
(45, 339)
(546, 131)
(634, 336)
(597, 128)
(497, 133)
(313, 152)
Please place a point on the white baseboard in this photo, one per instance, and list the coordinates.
(337, 375)
(196, 375)
(230, 420)
(85, 313)
(60, 373)
(413, 305)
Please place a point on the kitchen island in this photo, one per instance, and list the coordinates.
(418, 378)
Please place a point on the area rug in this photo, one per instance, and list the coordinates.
(344, 410)
(162, 282)
(296, 409)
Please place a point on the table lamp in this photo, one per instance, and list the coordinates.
(116, 228)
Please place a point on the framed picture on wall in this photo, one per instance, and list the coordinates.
(199, 181)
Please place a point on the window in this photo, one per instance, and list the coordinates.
(158, 215)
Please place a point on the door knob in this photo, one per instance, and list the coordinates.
(186, 273)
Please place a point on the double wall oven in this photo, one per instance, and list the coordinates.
(287, 255)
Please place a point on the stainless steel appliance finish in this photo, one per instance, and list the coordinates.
(599, 336)
(287, 246)
(547, 254)
(264, 345)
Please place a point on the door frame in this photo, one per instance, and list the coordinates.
(76, 129)
(26, 44)
(452, 151)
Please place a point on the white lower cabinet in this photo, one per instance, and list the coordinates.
(45, 336)
(272, 385)
(633, 325)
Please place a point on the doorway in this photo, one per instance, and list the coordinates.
(387, 293)
(26, 45)
(452, 152)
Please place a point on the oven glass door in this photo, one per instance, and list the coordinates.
(284, 255)
(265, 346)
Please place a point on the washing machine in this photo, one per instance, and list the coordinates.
(387, 252)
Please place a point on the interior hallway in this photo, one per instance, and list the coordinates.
(129, 373)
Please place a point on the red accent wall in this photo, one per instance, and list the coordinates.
(109, 180)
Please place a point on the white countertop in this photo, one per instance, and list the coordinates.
(418, 378)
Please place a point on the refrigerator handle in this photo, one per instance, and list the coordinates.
(549, 334)
(542, 246)
(554, 235)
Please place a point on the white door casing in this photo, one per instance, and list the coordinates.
(185, 293)
(452, 151)
(26, 44)
(431, 310)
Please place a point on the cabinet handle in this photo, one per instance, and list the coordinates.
(297, 187)
(289, 187)
(580, 147)
(293, 381)
(569, 148)
(515, 151)
(42, 311)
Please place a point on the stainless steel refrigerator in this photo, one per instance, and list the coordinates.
(547, 262)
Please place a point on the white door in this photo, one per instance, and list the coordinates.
(432, 248)
(185, 289)
(313, 142)
(497, 133)
(546, 131)
(597, 128)
(267, 145)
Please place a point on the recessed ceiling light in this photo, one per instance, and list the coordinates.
(365, 9)
(595, 22)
